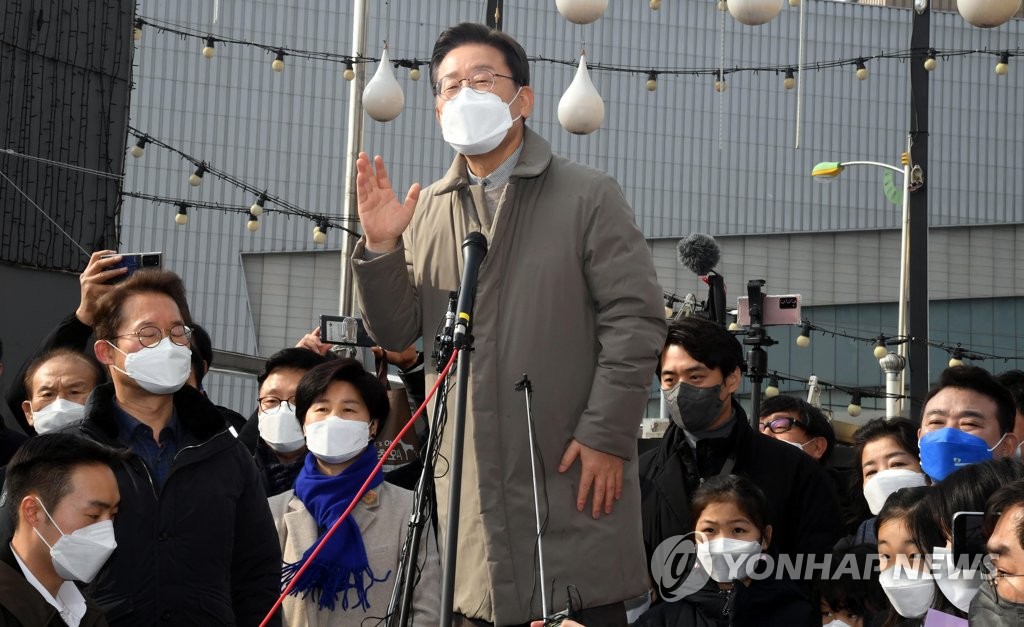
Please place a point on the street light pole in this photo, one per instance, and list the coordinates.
(920, 42)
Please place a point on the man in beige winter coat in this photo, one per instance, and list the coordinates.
(567, 294)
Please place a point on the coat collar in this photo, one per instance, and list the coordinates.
(198, 417)
(533, 160)
(18, 595)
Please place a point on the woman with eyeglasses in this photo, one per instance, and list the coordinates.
(341, 408)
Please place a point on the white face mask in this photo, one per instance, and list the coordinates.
(162, 369)
(797, 444)
(885, 482)
(836, 623)
(909, 592)
(726, 559)
(336, 440)
(57, 415)
(474, 123)
(958, 585)
(280, 429)
(78, 556)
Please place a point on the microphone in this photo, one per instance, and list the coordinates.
(474, 249)
(699, 253)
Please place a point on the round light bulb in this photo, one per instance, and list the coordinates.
(349, 73)
(862, 73)
(853, 409)
(771, 391)
(195, 180)
(880, 352)
(734, 326)
(136, 33)
(256, 209)
(414, 74)
(955, 362)
(181, 218)
(208, 50)
(254, 224)
(723, 6)
(1004, 65)
(137, 151)
(652, 84)
(803, 341)
(319, 237)
(720, 86)
(789, 82)
(655, 5)
(278, 65)
(930, 63)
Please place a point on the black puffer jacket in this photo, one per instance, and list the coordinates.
(806, 515)
(202, 551)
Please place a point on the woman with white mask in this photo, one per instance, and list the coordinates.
(57, 385)
(342, 407)
(732, 535)
(885, 456)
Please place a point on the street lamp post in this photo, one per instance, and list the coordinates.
(912, 179)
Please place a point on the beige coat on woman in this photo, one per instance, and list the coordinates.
(383, 517)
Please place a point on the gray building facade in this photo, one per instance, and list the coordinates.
(689, 159)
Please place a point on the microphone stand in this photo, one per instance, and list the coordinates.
(757, 358)
(400, 607)
(451, 539)
(399, 612)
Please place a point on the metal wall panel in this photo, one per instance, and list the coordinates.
(688, 158)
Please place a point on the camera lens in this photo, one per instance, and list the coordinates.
(150, 261)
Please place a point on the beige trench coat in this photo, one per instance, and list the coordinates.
(568, 295)
(383, 518)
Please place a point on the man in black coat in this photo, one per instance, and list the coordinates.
(196, 541)
(700, 369)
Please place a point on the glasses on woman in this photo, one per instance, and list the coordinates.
(272, 403)
(482, 82)
(149, 336)
(781, 425)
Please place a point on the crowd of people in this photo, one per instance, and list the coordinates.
(131, 498)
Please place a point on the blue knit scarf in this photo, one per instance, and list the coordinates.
(342, 565)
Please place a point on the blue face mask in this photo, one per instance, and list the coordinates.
(948, 449)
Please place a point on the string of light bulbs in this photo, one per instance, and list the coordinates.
(857, 394)
(881, 342)
(860, 63)
(322, 222)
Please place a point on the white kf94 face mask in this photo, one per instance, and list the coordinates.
(728, 559)
(57, 415)
(475, 124)
(79, 555)
(280, 429)
(163, 369)
(335, 440)
(883, 483)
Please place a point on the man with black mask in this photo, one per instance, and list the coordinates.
(700, 370)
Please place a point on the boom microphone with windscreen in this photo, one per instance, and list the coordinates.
(700, 253)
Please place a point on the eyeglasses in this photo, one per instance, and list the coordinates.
(781, 425)
(482, 82)
(150, 336)
(990, 574)
(271, 403)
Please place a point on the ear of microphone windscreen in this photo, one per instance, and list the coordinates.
(699, 253)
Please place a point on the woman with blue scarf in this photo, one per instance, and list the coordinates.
(341, 407)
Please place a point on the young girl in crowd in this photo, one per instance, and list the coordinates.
(848, 598)
(905, 574)
(341, 407)
(886, 459)
(732, 532)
